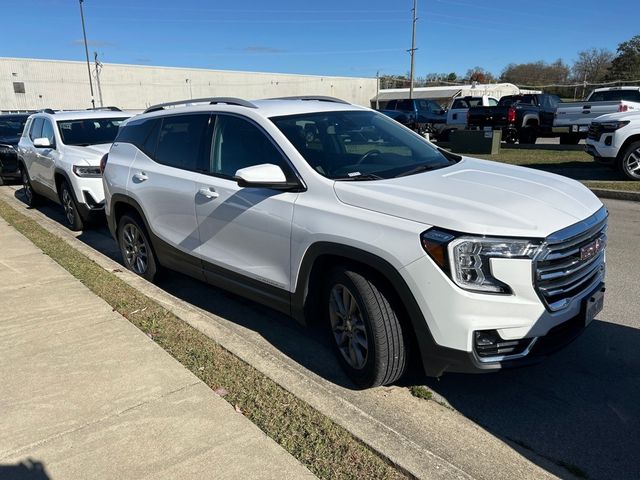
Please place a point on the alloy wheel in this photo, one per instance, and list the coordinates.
(67, 203)
(135, 249)
(26, 185)
(348, 327)
(632, 164)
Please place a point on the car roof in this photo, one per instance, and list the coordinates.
(266, 108)
(85, 114)
(609, 89)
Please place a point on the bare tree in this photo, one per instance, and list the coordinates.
(592, 65)
(480, 75)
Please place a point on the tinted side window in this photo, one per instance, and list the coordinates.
(238, 143)
(138, 132)
(181, 141)
(47, 131)
(36, 129)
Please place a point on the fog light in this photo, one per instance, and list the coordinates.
(608, 140)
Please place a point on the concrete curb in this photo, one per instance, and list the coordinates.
(616, 194)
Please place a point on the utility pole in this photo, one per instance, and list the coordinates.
(377, 90)
(86, 51)
(98, 67)
(413, 48)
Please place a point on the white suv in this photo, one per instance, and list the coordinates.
(404, 251)
(59, 157)
(614, 139)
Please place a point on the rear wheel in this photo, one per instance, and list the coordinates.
(528, 135)
(136, 248)
(30, 197)
(629, 162)
(71, 214)
(365, 329)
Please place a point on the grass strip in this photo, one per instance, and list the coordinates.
(327, 449)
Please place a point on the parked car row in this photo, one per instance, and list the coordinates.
(334, 213)
(521, 118)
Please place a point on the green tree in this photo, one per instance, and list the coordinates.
(626, 64)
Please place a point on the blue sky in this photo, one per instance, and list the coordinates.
(328, 37)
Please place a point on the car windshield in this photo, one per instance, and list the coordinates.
(360, 145)
(89, 131)
(12, 126)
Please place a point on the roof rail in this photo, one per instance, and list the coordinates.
(110, 109)
(210, 101)
(319, 98)
(47, 110)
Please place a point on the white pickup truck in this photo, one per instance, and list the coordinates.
(457, 113)
(572, 119)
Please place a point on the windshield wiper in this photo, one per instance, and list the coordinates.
(357, 178)
(418, 169)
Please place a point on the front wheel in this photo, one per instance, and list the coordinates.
(365, 329)
(30, 197)
(71, 213)
(629, 163)
(136, 248)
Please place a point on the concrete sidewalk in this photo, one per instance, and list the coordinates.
(87, 395)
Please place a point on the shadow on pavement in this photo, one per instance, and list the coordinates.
(26, 470)
(580, 405)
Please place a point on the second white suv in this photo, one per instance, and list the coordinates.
(406, 252)
(59, 157)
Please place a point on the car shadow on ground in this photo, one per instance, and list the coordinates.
(579, 408)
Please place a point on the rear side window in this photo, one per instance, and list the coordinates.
(36, 129)
(181, 141)
(142, 133)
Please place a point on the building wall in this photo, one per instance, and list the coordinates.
(65, 85)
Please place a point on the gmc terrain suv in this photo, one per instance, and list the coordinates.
(59, 158)
(405, 252)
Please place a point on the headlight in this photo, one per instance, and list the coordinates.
(91, 172)
(612, 126)
(467, 260)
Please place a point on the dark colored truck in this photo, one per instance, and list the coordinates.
(419, 115)
(521, 118)
(11, 127)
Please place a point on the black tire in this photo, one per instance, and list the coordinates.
(371, 327)
(135, 247)
(31, 198)
(629, 161)
(71, 214)
(527, 136)
(510, 136)
(569, 139)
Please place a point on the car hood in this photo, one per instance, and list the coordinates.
(91, 155)
(480, 197)
(619, 117)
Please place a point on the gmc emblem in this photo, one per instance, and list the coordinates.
(592, 249)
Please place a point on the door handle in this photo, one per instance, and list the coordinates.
(208, 192)
(140, 177)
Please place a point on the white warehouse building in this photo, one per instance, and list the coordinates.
(29, 84)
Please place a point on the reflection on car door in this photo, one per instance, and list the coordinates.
(245, 230)
(163, 181)
(46, 157)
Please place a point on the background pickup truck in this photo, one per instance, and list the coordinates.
(521, 117)
(418, 114)
(573, 119)
(457, 113)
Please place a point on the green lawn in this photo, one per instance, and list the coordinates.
(574, 164)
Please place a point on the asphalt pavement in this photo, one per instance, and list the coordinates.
(574, 416)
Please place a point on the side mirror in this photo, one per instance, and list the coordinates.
(42, 143)
(265, 175)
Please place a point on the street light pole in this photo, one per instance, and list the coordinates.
(86, 51)
(413, 48)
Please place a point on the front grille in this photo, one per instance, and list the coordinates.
(564, 269)
(595, 131)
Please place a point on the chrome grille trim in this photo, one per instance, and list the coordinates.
(560, 275)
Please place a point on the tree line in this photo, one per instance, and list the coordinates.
(592, 66)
